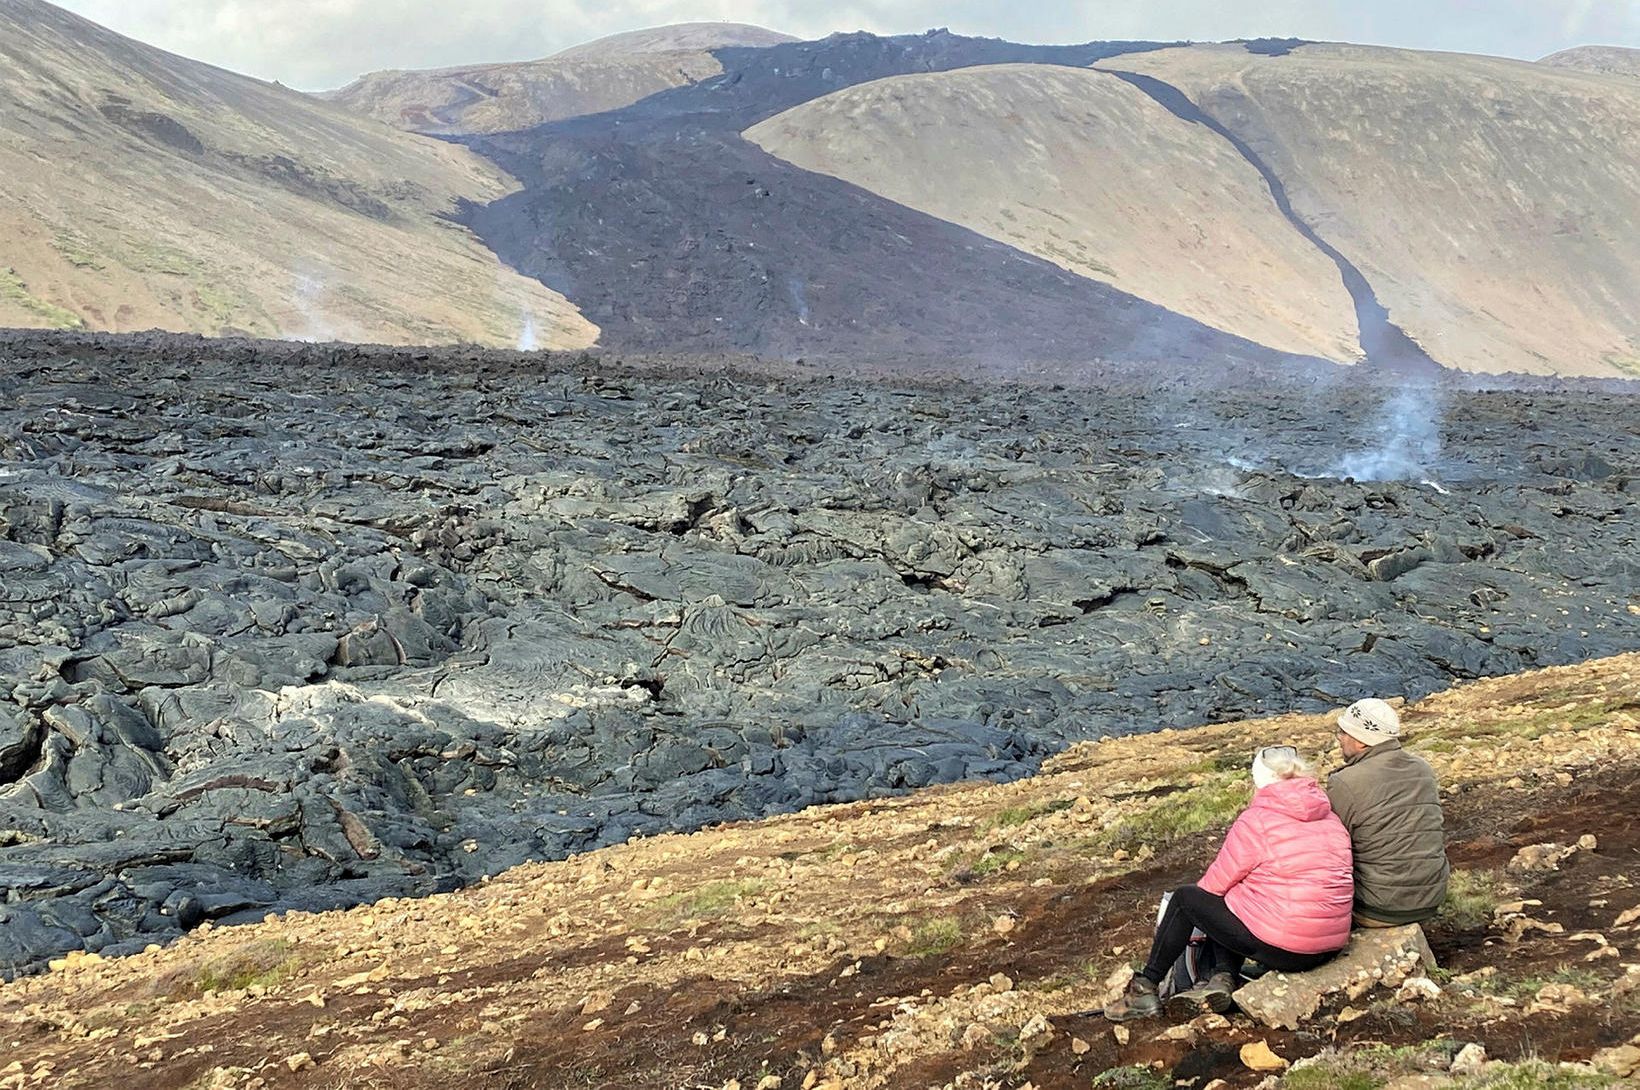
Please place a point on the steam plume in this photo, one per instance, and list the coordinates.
(1408, 439)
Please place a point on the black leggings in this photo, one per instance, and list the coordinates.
(1228, 939)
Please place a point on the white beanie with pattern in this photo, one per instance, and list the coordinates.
(1370, 722)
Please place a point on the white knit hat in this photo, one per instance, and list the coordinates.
(1370, 722)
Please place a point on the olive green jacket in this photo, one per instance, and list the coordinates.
(1389, 801)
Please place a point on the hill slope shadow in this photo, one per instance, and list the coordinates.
(672, 232)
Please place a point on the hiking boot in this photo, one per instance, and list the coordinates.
(1139, 1001)
(1212, 994)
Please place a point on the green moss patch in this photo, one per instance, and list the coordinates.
(703, 902)
(13, 290)
(1210, 805)
(1471, 898)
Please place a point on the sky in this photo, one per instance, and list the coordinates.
(319, 44)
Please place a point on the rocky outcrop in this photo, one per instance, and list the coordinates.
(1384, 958)
(295, 627)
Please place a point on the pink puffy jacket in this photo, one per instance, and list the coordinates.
(1286, 871)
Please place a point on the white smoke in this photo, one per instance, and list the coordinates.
(527, 341)
(309, 302)
(800, 299)
(1407, 436)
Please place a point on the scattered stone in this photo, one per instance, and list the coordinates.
(1560, 997)
(1470, 1060)
(1540, 858)
(1518, 927)
(1621, 1062)
(299, 1061)
(1418, 989)
(1257, 1056)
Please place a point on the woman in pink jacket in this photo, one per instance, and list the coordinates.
(1280, 892)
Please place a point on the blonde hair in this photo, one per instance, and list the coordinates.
(1286, 766)
(1272, 764)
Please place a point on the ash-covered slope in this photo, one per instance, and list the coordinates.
(593, 78)
(140, 189)
(1610, 60)
(300, 626)
(1488, 202)
(1087, 171)
(672, 232)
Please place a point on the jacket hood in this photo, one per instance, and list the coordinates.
(1299, 797)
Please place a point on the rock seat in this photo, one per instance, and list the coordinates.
(1384, 957)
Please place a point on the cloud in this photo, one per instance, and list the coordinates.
(315, 44)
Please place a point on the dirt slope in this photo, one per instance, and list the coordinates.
(139, 189)
(949, 938)
(1084, 170)
(586, 79)
(1489, 202)
(1611, 60)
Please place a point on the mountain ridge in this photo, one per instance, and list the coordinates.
(241, 205)
(593, 77)
(1610, 60)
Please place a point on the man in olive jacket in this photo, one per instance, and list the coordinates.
(1389, 801)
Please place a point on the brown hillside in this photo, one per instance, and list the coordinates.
(1086, 171)
(1611, 60)
(1489, 202)
(139, 189)
(586, 79)
(951, 938)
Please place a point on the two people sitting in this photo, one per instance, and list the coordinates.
(1301, 865)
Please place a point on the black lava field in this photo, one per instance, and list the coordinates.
(292, 626)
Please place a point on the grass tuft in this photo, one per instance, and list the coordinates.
(1173, 817)
(1471, 898)
(934, 936)
(1019, 815)
(265, 962)
(1536, 1075)
(703, 902)
(1329, 1077)
(1132, 1078)
(995, 861)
